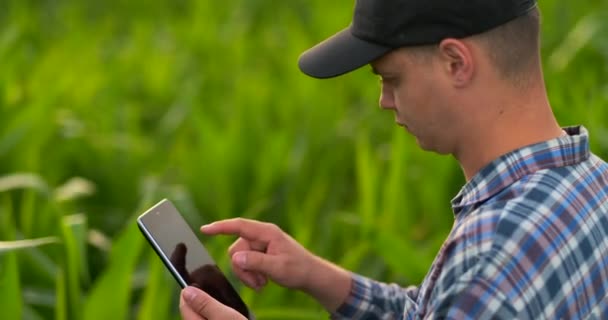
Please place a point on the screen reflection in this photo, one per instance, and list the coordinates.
(209, 278)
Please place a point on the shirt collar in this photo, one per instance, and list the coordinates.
(562, 151)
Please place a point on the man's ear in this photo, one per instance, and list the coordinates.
(457, 61)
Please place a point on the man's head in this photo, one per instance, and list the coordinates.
(442, 64)
(382, 26)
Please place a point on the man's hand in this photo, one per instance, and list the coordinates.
(197, 305)
(264, 251)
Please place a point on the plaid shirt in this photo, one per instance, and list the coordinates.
(530, 241)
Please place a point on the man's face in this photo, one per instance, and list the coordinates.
(413, 88)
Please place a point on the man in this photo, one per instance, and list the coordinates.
(530, 238)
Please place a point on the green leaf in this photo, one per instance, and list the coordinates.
(30, 314)
(74, 188)
(7, 224)
(74, 232)
(353, 257)
(61, 296)
(23, 181)
(400, 256)
(10, 289)
(366, 183)
(289, 313)
(579, 37)
(156, 299)
(27, 243)
(111, 294)
(395, 194)
(34, 185)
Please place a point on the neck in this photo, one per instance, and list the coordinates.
(508, 125)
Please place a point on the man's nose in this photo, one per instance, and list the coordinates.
(386, 102)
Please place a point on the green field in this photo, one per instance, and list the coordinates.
(106, 107)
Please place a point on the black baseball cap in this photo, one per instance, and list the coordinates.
(380, 26)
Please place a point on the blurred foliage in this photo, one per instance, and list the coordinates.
(108, 106)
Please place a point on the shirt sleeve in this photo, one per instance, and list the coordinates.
(370, 299)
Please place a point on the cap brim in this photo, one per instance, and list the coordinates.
(338, 55)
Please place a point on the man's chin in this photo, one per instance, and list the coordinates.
(422, 143)
(426, 146)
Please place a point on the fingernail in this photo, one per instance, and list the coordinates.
(206, 226)
(241, 259)
(190, 294)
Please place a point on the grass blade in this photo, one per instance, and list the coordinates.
(10, 288)
(110, 297)
(27, 243)
(156, 299)
(22, 181)
(61, 296)
(74, 231)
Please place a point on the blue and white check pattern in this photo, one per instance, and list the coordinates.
(530, 241)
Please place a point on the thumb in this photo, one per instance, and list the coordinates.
(255, 261)
(205, 306)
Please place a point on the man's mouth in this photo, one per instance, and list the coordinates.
(403, 125)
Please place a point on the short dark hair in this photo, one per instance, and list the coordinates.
(514, 47)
